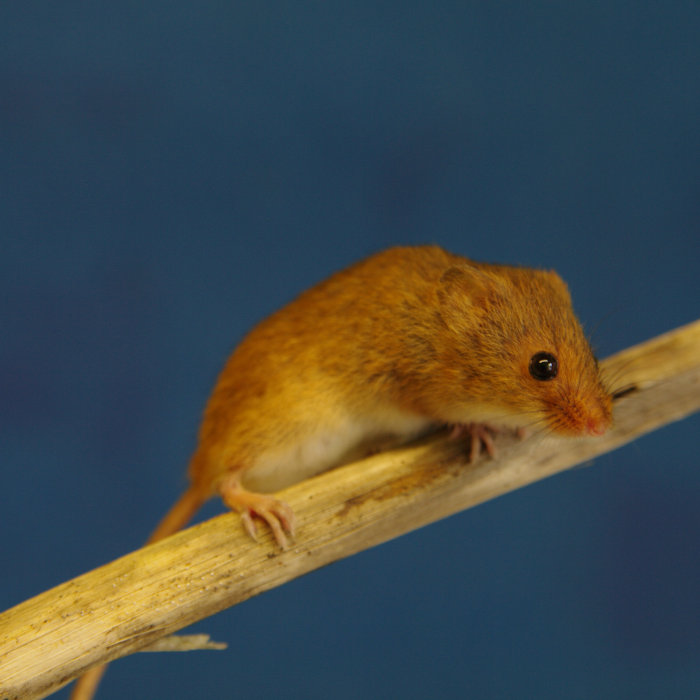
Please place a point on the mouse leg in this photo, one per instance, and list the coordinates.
(277, 514)
(479, 435)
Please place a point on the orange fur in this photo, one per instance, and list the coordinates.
(406, 340)
(411, 335)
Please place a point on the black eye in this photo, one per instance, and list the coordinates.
(543, 366)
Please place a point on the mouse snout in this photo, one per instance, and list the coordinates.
(597, 426)
(584, 415)
(599, 417)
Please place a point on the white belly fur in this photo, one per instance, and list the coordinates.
(331, 445)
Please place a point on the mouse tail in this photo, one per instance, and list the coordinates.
(86, 686)
(175, 519)
(179, 515)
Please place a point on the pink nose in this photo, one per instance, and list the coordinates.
(597, 427)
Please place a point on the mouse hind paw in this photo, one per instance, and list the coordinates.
(277, 514)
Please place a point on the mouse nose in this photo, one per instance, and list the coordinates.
(597, 426)
(599, 421)
(583, 416)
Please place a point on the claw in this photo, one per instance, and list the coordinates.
(479, 436)
(249, 524)
(277, 514)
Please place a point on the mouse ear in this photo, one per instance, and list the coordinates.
(466, 281)
(461, 293)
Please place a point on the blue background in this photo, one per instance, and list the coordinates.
(173, 172)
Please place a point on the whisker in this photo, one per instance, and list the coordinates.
(612, 378)
(593, 329)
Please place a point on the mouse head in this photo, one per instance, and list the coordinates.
(520, 350)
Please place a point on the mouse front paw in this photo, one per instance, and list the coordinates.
(478, 436)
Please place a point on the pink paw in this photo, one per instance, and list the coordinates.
(277, 514)
(479, 435)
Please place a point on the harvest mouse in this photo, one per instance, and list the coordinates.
(402, 342)
(409, 339)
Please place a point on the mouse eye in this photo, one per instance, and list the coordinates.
(543, 366)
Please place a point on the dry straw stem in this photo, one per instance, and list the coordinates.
(129, 604)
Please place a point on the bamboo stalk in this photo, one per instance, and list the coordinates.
(132, 602)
